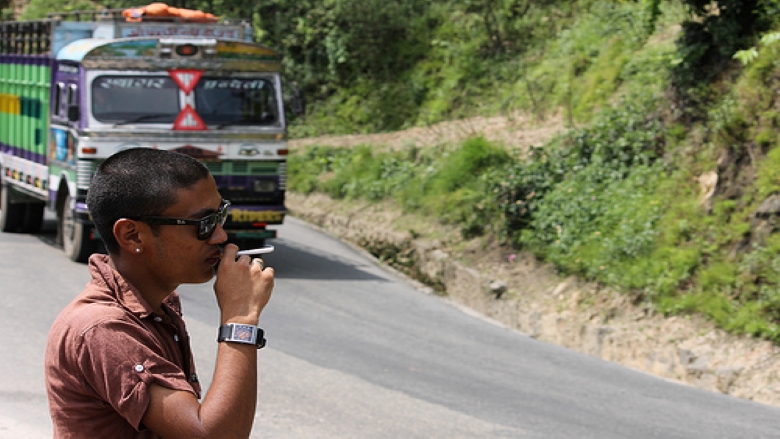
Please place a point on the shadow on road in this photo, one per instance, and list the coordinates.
(295, 261)
(48, 233)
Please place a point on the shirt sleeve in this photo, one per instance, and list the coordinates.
(120, 360)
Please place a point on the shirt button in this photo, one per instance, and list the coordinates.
(157, 319)
(176, 337)
(139, 367)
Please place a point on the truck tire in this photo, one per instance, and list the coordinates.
(11, 215)
(33, 217)
(74, 235)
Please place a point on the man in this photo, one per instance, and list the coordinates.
(118, 360)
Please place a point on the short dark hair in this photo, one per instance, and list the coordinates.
(138, 182)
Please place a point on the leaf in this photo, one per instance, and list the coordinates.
(746, 56)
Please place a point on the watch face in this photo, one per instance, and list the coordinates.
(243, 333)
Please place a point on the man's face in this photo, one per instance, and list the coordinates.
(180, 257)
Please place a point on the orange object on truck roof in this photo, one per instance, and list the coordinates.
(160, 12)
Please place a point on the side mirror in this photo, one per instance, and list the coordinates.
(74, 113)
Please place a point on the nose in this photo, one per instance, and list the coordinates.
(219, 236)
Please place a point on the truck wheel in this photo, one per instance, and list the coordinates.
(74, 236)
(33, 217)
(11, 215)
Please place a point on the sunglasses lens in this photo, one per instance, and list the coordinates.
(223, 213)
(209, 223)
(205, 229)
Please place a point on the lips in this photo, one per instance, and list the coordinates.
(215, 258)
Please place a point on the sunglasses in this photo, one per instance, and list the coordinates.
(206, 225)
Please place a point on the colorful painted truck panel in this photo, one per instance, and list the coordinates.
(73, 93)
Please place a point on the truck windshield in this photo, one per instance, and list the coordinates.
(127, 99)
(236, 101)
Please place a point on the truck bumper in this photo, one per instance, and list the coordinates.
(252, 234)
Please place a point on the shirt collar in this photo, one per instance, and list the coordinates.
(126, 294)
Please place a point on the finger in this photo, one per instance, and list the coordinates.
(258, 261)
(229, 252)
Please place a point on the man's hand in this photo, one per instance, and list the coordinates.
(243, 287)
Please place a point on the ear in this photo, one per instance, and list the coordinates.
(129, 234)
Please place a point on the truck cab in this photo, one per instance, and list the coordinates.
(202, 89)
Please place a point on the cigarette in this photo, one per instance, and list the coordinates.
(256, 251)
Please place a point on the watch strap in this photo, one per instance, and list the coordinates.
(242, 333)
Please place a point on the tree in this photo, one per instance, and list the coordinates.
(332, 43)
(6, 9)
(40, 8)
(710, 37)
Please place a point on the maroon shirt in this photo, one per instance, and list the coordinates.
(104, 351)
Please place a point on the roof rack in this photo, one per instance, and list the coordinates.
(93, 15)
(115, 15)
(25, 37)
(35, 37)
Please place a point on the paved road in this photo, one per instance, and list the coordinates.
(355, 352)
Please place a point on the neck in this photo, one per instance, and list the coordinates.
(153, 291)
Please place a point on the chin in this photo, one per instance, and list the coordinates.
(203, 276)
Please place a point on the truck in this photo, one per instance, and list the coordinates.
(78, 87)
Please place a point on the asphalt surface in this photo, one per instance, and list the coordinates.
(355, 351)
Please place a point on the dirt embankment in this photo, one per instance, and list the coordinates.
(521, 293)
(516, 132)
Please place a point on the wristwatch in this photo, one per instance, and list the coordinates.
(241, 333)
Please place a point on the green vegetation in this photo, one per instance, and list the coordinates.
(617, 199)
(660, 96)
(448, 184)
(39, 8)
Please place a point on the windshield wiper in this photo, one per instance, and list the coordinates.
(141, 118)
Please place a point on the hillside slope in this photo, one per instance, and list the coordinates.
(521, 293)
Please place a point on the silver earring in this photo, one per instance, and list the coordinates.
(138, 250)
